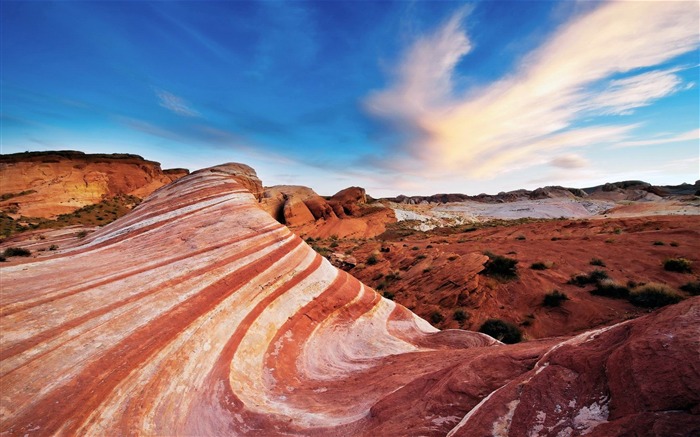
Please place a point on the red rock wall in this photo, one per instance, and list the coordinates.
(66, 181)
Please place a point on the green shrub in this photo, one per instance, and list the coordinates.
(597, 262)
(658, 243)
(654, 296)
(692, 287)
(436, 317)
(415, 248)
(389, 295)
(592, 278)
(501, 267)
(680, 265)
(554, 299)
(83, 234)
(16, 251)
(610, 288)
(460, 316)
(539, 266)
(334, 244)
(501, 331)
(53, 247)
(372, 260)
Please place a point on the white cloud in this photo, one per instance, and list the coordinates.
(521, 119)
(624, 95)
(176, 104)
(686, 136)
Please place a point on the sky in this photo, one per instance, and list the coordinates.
(407, 97)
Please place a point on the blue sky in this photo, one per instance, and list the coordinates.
(397, 97)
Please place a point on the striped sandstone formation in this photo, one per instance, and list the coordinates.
(199, 314)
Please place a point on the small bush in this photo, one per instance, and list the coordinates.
(611, 289)
(674, 244)
(415, 248)
(2, 259)
(554, 299)
(520, 237)
(389, 295)
(658, 243)
(372, 260)
(692, 287)
(680, 265)
(436, 317)
(501, 267)
(654, 296)
(421, 256)
(597, 262)
(460, 316)
(556, 238)
(53, 247)
(592, 278)
(539, 266)
(16, 251)
(501, 331)
(83, 234)
(427, 269)
(334, 244)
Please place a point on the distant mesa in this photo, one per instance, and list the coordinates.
(47, 184)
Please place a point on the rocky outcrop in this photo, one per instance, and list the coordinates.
(348, 202)
(198, 314)
(46, 184)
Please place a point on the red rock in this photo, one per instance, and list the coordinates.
(348, 202)
(61, 182)
(198, 314)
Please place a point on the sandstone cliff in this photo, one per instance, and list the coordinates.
(198, 314)
(46, 184)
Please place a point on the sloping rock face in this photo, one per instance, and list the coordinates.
(198, 314)
(46, 184)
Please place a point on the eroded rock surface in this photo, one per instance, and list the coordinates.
(46, 184)
(198, 314)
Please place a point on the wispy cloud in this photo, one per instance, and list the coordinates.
(174, 103)
(569, 161)
(525, 117)
(624, 95)
(686, 136)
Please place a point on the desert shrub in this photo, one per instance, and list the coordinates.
(427, 269)
(16, 251)
(680, 265)
(501, 267)
(392, 276)
(429, 246)
(692, 287)
(501, 330)
(592, 278)
(53, 247)
(674, 244)
(610, 288)
(597, 262)
(654, 296)
(415, 248)
(334, 237)
(421, 256)
(658, 243)
(554, 299)
(555, 238)
(436, 317)
(372, 260)
(81, 234)
(389, 295)
(2, 259)
(460, 316)
(520, 237)
(539, 266)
